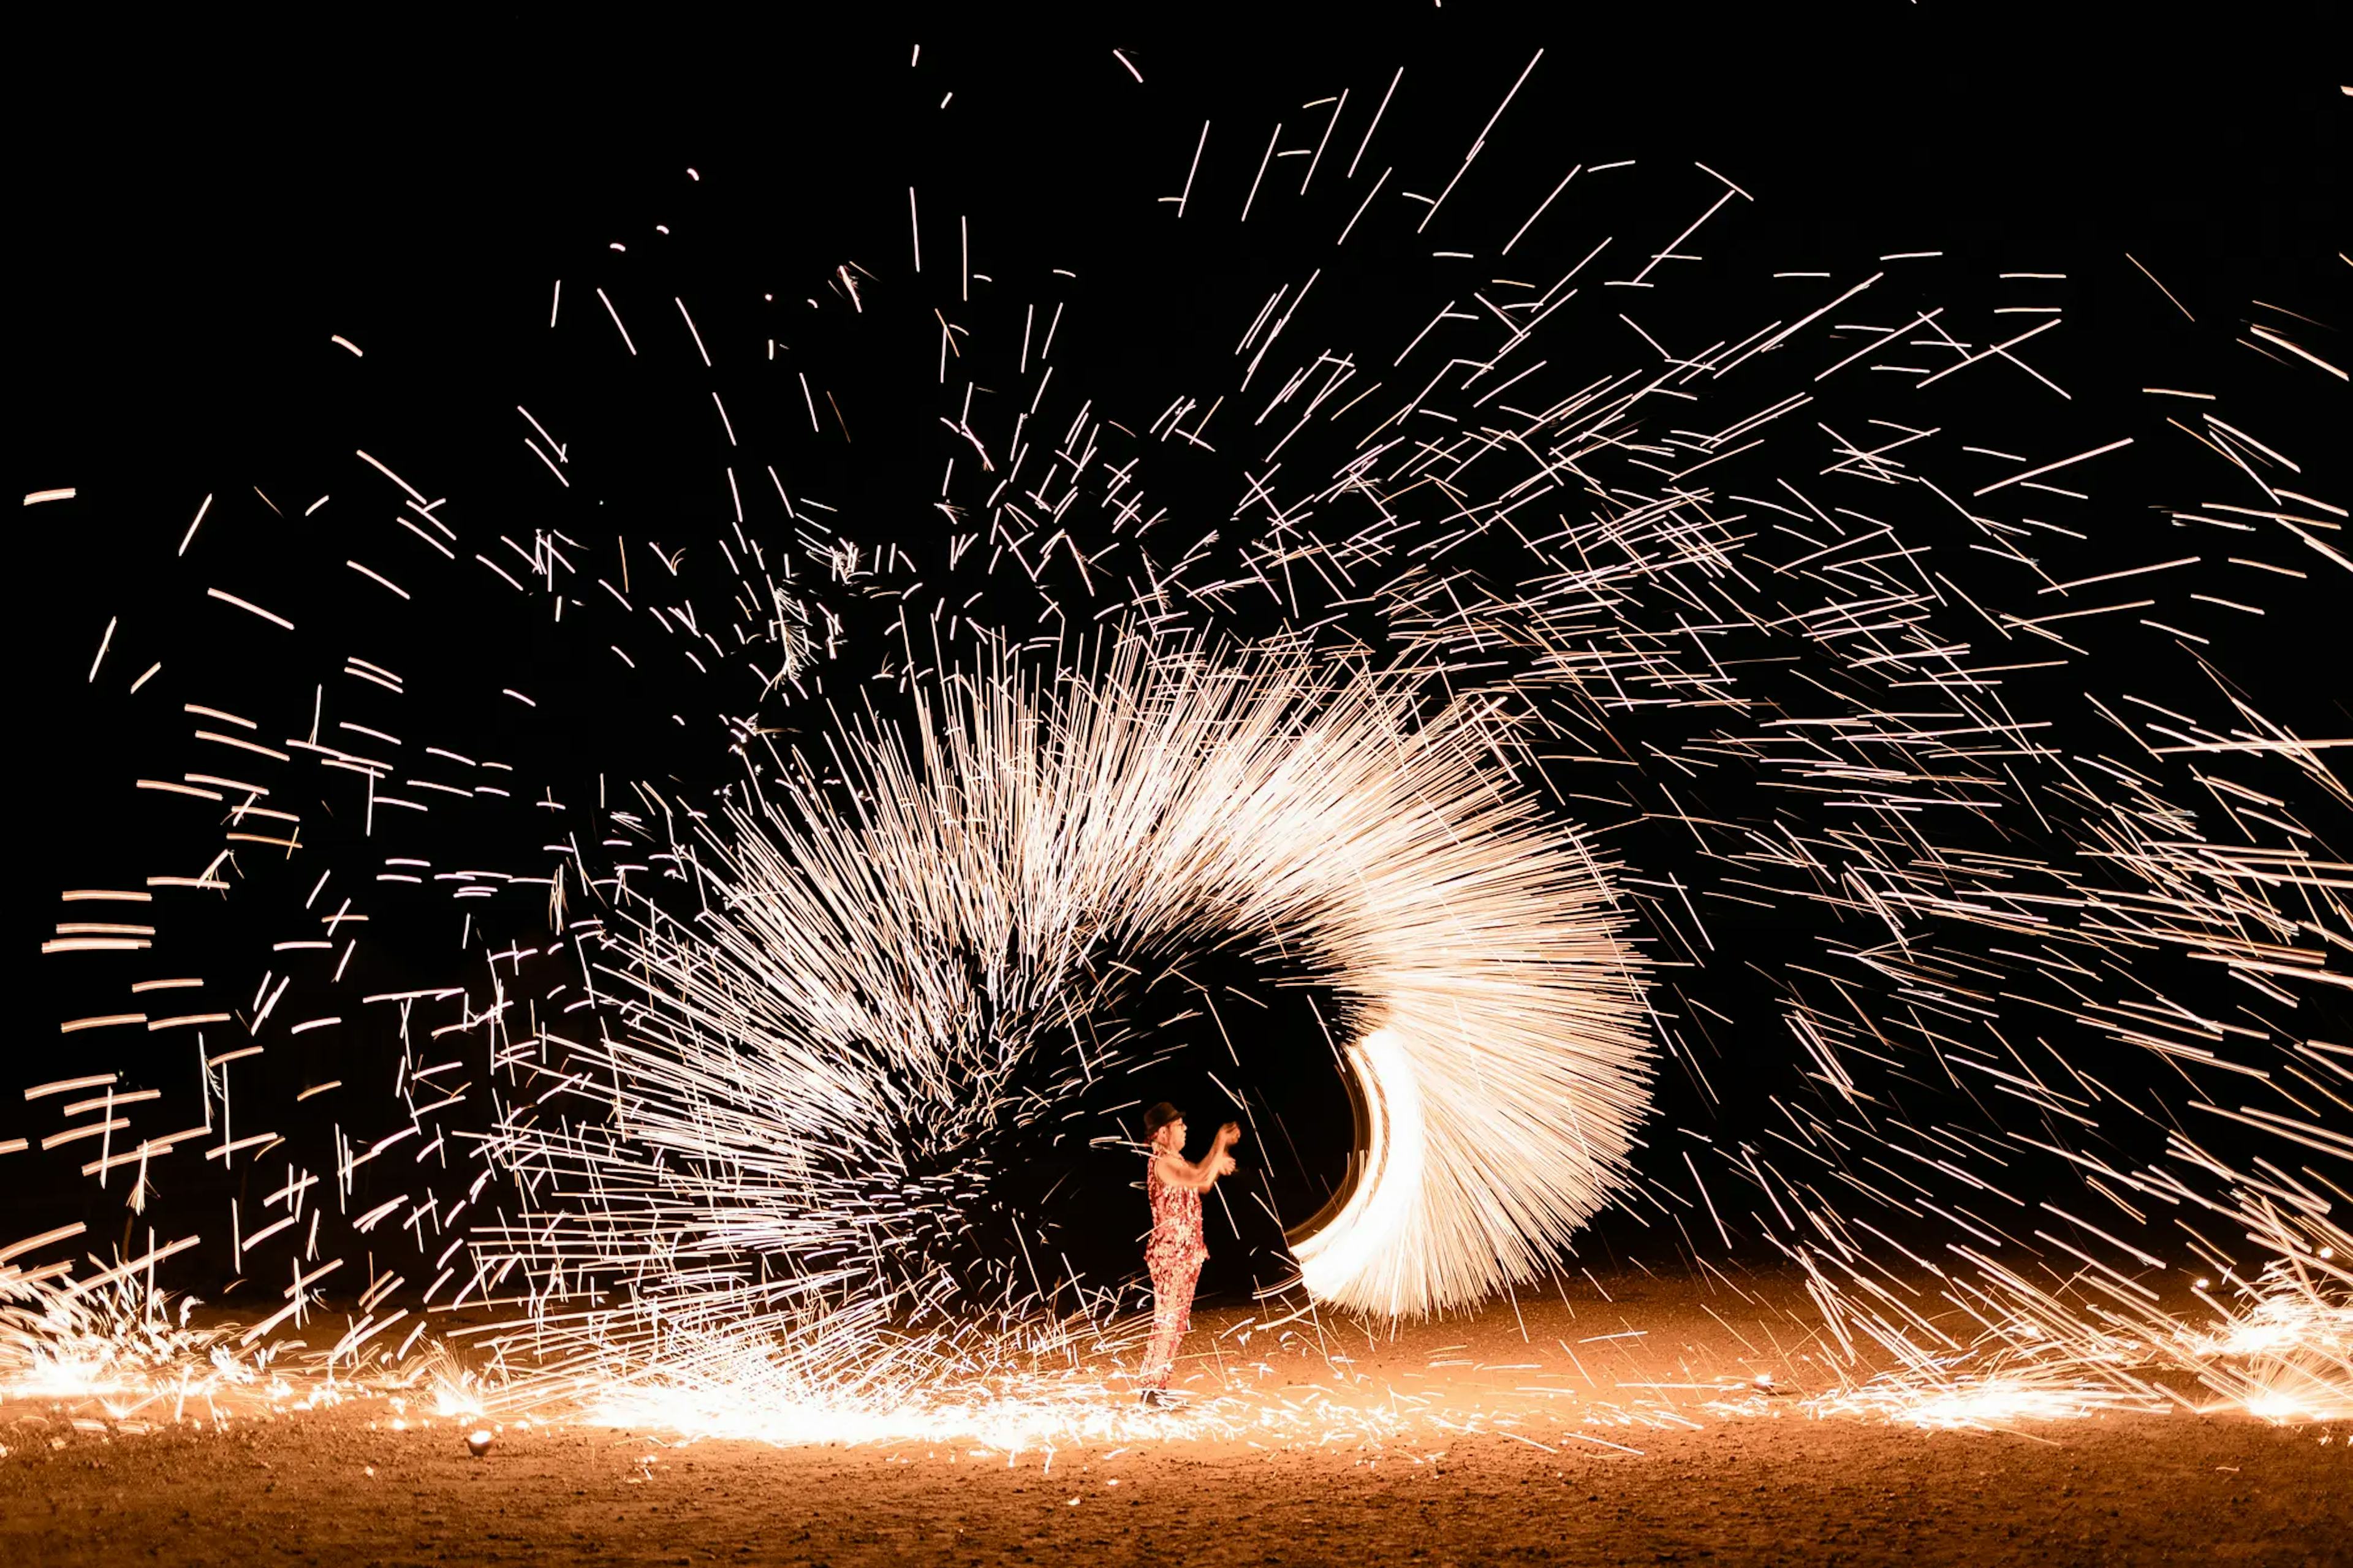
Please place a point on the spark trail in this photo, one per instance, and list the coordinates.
(1994, 944)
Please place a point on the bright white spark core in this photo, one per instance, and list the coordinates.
(797, 1124)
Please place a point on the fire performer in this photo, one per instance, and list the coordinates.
(1175, 1251)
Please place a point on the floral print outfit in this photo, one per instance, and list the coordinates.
(1175, 1255)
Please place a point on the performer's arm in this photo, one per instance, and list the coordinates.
(1179, 1171)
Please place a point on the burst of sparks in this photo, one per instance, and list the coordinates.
(725, 1121)
(878, 983)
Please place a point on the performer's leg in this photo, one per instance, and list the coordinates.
(1171, 1315)
(1161, 1350)
(1186, 1279)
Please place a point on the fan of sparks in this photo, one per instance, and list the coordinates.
(819, 1058)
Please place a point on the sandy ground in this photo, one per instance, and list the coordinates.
(1583, 1432)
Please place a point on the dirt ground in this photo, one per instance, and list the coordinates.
(1581, 1432)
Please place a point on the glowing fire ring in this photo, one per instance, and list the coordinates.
(1385, 1168)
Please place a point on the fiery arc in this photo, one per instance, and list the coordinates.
(873, 976)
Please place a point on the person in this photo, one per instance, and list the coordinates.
(1175, 1251)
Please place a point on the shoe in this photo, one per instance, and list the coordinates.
(1151, 1398)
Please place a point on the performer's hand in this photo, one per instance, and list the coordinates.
(1229, 1135)
(1225, 1166)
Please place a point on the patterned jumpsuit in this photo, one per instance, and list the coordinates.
(1175, 1255)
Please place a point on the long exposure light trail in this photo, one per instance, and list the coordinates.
(1737, 769)
(883, 982)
